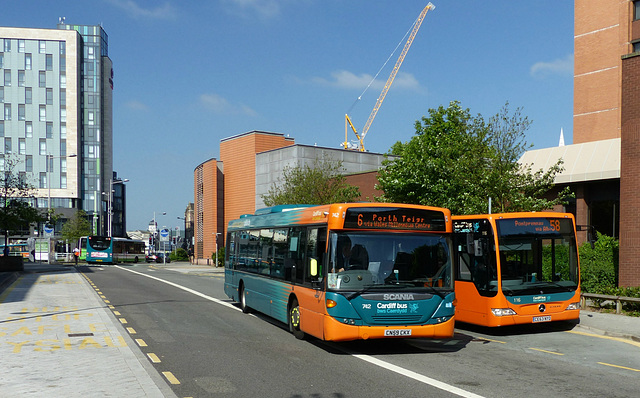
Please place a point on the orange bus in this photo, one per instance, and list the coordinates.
(345, 271)
(516, 268)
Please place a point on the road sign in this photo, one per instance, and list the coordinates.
(164, 235)
(48, 230)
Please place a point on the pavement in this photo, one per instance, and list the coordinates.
(59, 337)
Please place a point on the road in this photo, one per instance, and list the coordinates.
(205, 347)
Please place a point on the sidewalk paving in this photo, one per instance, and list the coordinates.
(57, 338)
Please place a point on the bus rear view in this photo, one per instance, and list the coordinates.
(516, 268)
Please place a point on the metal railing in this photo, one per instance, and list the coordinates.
(618, 300)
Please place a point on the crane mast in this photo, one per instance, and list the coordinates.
(387, 85)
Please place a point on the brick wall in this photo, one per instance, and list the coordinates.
(630, 174)
(366, 182)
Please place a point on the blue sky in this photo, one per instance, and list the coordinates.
(190, 73)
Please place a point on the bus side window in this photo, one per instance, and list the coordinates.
(316, 244)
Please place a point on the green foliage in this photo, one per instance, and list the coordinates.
(76, 227)
(599, 265)
(459, 161)
(220, 257)
(179, 255)
(320, 183)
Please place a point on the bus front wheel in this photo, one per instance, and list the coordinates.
(243, 301)
(294, 320)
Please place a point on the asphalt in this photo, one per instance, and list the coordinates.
(59, 337)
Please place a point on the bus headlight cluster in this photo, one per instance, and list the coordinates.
(574, 306)
(348, 321)
(442, 319)
(503, 311)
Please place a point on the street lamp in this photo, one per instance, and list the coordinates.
(217, 233)
(112, 182)
(155, 230)
(49, 160)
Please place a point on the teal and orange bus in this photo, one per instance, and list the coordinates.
(345, 271)
(516, 268)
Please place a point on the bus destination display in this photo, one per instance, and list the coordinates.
(394, 218)
(542, 226)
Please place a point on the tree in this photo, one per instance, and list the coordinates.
(76, 227)
(459, 161)
(16, 213)
(320, 183)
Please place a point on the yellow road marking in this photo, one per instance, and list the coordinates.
(122, 320)
(171, 378)
(141, 343)
(618, 366)
(548, 352)
(116, 313)
(154, 358)
(635, 343)
(493, 341)
(131, 330)
(107, 301)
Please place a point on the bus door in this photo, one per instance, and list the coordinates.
(476, 269)
(311, 296)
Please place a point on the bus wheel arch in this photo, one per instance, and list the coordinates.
(293, 317)
(135, 260)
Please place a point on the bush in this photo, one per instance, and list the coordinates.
(599, 265)
(220, 257)
(179, 255)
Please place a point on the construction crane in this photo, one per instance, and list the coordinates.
(387, 86)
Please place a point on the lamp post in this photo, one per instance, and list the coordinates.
(155, 230)
(217, 233)
(49, 160)
(112, 182)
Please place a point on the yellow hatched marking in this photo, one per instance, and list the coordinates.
(107, 301)
(111, 307)
(122, 320)
(618, 366)
(154, 358)
(141, 343)
(116, 313)
(171, 378)
(131, 330)
(545, 351)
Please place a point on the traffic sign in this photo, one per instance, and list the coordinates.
(48, 230)
(164, 235)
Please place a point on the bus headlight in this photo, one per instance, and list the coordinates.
(573, 306)
(503, 311)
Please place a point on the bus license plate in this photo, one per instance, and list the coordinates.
(541, 319)
(397, 332)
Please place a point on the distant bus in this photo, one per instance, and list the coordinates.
(108, 250)
(82, 246)
(516, 268)
(345, 271)
(16, 249)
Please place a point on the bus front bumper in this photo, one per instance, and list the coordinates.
(337, 331)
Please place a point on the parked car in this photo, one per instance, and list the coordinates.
(156, 258)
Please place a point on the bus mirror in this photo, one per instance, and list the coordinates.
(314, 267)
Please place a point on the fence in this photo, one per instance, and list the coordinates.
(618, 300)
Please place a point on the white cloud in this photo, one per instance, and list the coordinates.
(261, 8)
(131, 8)
(137, 105)
(218, 104)
(349, 80)
(561, 66)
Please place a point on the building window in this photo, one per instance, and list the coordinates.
(43, 113)
(22, 146)
(28, 129)
(21, 78)
(63, 80)
(20, 45)
(63, 131)
(42, 79)
(1, 128)
(63, 47)
(63, 165)
(90, 117)
(43, 146)
(28, 164)
(21, 112)
(42, 46)
(63, 181)
(7, 77)
(27, 61)
(43, 180)
(63, 63)
(63, 114)
(1, 94)
(49, 62)
(1, 60)
(7, 111)
(7, 144)
(49, 129)
(63, 97)
(49, 96)
(28, 95)
(7, 45)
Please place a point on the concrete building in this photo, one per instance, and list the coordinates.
(56, 98)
